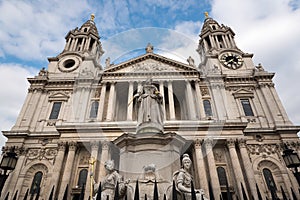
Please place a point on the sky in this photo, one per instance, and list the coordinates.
(32, 31)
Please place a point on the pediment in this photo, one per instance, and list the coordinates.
(150, 63)
(243, 93)
(58, 96)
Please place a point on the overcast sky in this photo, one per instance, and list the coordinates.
(31, 31)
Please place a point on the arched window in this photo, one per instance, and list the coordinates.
(94, 109)
(36, 183)
(82, 177)
(207, 108)
(222, 176)
(269, 179)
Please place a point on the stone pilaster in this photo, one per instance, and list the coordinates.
(68, 170)
(248, 167)
(238, 174)
(101, 102)
(201, 166)
(161, 90)
(212, 168)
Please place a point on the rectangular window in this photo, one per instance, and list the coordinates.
(94, 109)
(207, 108)
(247, 107)
(55, 110)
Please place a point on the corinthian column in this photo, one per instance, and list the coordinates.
(248, 167)
(130, 101)
(171, 101)
(201, 166)
(68, 170)
(238, 174)
(212, 168)
(111, 102)
(57, 168)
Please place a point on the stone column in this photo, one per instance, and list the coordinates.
(82, 44)
(217, 41)
(201, 167)
(104, 158)
(248, 167)
(67, 44)
(130, 101)
(161, 90)
(225, 42)
(171, 101)
(57, 167)
(212, 168)
(199, 101)
(190, 100)
(68, 170)
(75, 45)
(87, 44)
(15, 181)
(94, 157)
(101, 102)
(238, 174)
(111, 100)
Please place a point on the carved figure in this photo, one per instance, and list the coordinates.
(110, 181)
(107, 62)
(149, 104)
(183, 180)
(191, 61)
(149, 48)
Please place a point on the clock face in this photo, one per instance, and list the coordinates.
(231, 60)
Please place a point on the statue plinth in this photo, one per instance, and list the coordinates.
(149, 127)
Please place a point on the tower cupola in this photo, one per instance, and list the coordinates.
(85, 40)
(215, 37)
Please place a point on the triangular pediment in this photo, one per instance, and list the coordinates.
(58, 96)
(243, 93)
(150, 62)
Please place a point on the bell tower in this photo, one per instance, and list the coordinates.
(218, 50)
(82, 52)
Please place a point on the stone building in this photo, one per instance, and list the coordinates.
(223, 112)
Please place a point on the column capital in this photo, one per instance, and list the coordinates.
(61, 145)
(208, 142)
(105, 145)
(230, 143)
(94, 145)
(198, 143)
(242, 142)
(72, 145)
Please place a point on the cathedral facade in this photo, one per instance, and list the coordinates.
(144, 114)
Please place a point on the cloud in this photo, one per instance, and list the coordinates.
(32, 30)
(13, 90)
(268, 29)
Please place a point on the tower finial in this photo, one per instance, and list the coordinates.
(206, 14)
(92, 16)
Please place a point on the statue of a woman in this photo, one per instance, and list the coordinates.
(110, 182)
(183, 180)
(149, 103)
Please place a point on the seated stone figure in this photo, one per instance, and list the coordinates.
(183, 180)
(110, 181)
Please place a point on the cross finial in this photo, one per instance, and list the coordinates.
(206, 14)
(92, 17)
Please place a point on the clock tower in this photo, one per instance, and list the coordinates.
(219, 52)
